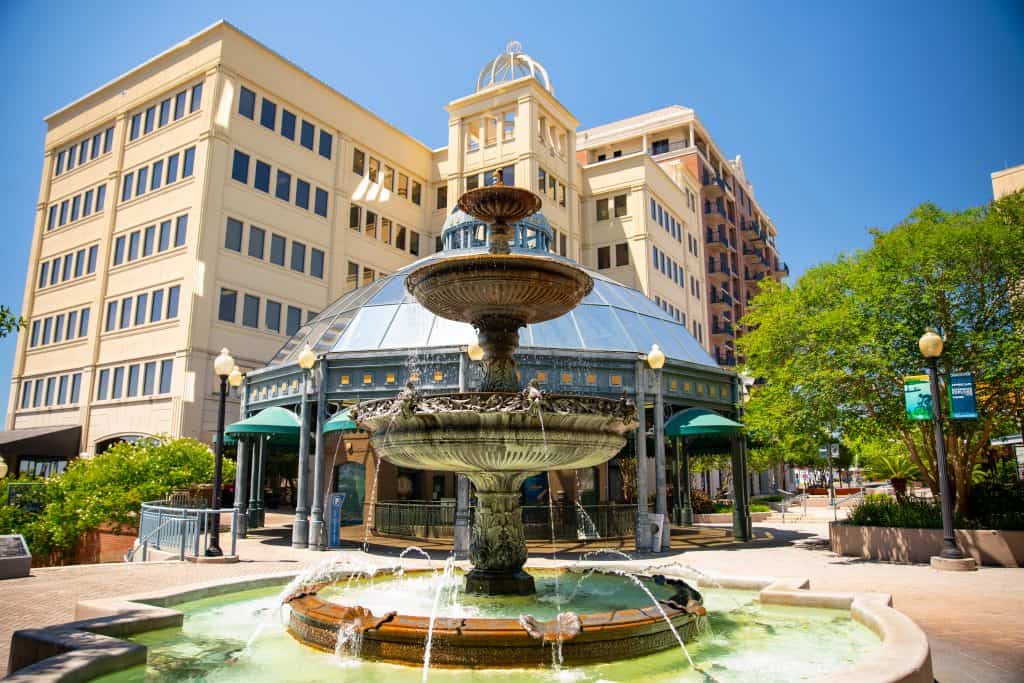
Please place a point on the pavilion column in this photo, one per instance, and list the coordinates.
(242, 459)
(687, 516)
(261, 519)
(739, 524)
(300, 529)
(316, 527)
(748, 523)
(643, 532)
(660, 479)
(254, 480)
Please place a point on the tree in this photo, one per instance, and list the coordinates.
(9, 323)
(834, 348)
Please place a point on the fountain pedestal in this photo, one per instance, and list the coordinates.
(498, 547)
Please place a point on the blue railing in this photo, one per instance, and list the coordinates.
(185, 531)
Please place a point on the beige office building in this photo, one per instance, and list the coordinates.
(218, 196)
(1007, 181)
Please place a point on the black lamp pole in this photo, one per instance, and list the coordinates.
(949, 546)
(213, 549)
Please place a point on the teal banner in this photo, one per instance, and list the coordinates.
(917, 396)
(962, 405)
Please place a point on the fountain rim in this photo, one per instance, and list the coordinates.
(551, 262)
(905, 655)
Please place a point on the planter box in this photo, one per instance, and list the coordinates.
(893, 544)
(726, 517)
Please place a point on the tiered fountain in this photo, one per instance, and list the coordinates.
(497, 437)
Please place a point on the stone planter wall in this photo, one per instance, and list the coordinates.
(726, 517)
(892, 544)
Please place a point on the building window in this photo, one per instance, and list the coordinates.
(301, 193)
(326, 143)
(316, 263)
(233, 235)
(602, 209)
(294, 320)
(261, 180)
(298, 257)
(442, 198)
(156, 306)
(403, 185)
(148, 378)
(400, 237)
(320, 205)
(117, 383)
(622, 254)
(620, 205)
(239, 167)
(416, 193)
(284, 186)
(133, 381)
(257, 238)
(277, 245)
(250, 311)
(352, 277)
(604, 259)
(306, 135)
(374, 170)
(268, 114)
(166, 370)
(414, 243)
(355, 217)
(358, 162)
(272, 316)
(188, 162)
(102, 385)
(228, 303)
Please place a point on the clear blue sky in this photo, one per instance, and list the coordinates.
(846, 117)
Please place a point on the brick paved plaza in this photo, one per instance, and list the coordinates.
(974, 621)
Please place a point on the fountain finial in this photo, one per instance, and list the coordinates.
(496, 176)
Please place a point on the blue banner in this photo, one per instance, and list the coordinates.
(962, 405)
(334, 521)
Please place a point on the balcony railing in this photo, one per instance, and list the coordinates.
(720, 296)
(674, 146)
(713, 237)
(722, 328)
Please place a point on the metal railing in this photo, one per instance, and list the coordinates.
(430, 519)
(183, 530)
(788, 497)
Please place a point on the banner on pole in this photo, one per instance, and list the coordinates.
(334, 520)
(962, 405)
(917, 396)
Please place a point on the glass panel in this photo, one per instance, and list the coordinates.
(393, 292)
(670, 339)
(338, 325)
(558, 333)
(451, 333)
(411, 327)
(367, 329)
(601, 329)
(637, 329)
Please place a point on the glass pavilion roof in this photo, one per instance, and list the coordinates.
(384, 316)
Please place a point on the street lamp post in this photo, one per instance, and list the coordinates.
(224, 366)
(656, 360)
(930, 345)
(300, 530)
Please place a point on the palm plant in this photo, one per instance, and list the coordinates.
(897, 468)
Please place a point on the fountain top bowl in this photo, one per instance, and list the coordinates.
(500, 204)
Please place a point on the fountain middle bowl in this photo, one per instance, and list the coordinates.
(521, 287)
(487, 434)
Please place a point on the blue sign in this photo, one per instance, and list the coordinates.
(334, 522)
(961, 396)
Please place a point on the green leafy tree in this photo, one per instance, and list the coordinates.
(9, 323)
(834, 348)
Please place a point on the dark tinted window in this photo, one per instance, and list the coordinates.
(233, 237)
(247, 103)
(228, 303)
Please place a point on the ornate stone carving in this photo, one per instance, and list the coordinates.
(407, 405)
(566, 626)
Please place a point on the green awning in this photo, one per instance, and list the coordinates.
(697, 421)
(277, 421)
(341, 422)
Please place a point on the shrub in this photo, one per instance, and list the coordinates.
(881, 510)
(998, 504)
(110, 488)
(774, 498)
(754, 507)
(701, 502)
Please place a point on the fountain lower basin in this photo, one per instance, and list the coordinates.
(632, 629)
